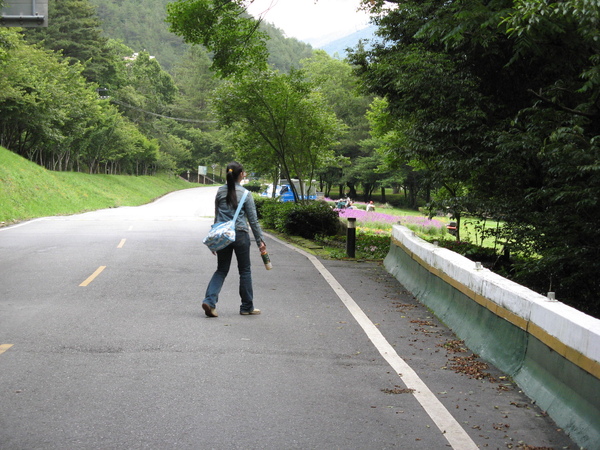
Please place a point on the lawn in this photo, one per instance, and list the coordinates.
(374, 228)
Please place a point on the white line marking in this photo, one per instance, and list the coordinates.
(450, 428)
(21, 224)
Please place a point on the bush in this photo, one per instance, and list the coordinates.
(255, 186)
(259, 201)
(310, 219)
(298, 219)
(370, 244)
(472, 251)
(273, 214)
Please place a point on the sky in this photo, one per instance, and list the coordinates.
(315, 22)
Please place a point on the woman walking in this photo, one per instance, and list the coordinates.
(226, 202)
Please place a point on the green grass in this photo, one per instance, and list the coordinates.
(28, 191)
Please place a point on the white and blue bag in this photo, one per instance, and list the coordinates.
(223, 233)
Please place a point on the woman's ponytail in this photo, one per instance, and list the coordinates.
(234, 170)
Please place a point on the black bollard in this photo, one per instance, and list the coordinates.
(351, 238)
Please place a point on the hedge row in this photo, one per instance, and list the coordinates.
(305, 219)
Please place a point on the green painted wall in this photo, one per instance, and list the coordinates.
(570, 395)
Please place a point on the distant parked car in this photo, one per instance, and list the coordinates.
(284, 193)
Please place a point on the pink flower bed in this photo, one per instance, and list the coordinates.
(372, 216)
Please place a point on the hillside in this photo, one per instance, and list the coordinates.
(141, 28)
(145, 29)
(28, 191)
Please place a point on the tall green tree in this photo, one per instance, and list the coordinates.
(75, 31)
(282, 116)
(224, 28)
(151, 83)
(338, 84)
(386, 138)
(196, 84)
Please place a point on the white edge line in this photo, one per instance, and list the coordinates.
(447, 424)
(21, 224)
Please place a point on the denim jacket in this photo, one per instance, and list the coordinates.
(224, 213)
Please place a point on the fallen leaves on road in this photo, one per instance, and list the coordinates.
(398, 390)
(520, 405)
(471, 367)
(454, 346)
(403, 306)
(424, 323)
(532, 447)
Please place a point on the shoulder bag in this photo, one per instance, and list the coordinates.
(223, 233)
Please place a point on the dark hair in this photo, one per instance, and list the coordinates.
(234, 170)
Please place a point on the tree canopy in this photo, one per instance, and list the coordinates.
(281, 123)
(76, 33)
(223, 28)
(499, 101)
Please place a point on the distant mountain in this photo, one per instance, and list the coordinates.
(339, 46)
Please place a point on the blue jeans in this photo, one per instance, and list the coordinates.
(241, 247)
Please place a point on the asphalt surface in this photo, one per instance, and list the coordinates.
(104, 345)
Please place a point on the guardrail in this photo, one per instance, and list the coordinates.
(552, 351)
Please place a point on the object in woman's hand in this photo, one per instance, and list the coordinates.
(266, 260)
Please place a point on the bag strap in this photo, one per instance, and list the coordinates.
(240, 204)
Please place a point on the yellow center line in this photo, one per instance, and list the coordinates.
(93, 276)
(4, 347)
(122, 243)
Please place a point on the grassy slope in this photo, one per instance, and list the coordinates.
(28, 191)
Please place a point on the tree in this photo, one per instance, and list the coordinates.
(279, 115)
(432, 120)
(74, 30)
(154, 87)
(385, 139)
(338, 84)
(142, 27)
(196, 84)
(6, 42)
(366, 172)
(503, 97)
(223, 28)
(45, 105)
(50, 114)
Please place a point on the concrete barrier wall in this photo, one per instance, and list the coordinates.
(552, 351)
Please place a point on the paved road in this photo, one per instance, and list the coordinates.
(104, 345)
